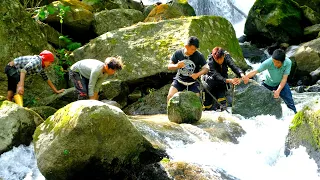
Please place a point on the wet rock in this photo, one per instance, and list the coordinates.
(184, 107)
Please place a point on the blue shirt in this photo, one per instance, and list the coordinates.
(275, 74)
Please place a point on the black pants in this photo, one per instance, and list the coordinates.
(219, 92)
(13, 77)
(80, 83)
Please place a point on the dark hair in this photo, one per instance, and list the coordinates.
(217, 52)
(193, 41)
(279, 55)
(114, 63)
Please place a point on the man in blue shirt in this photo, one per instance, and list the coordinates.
(279, 69)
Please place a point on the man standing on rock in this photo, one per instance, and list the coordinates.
(190, 64)
(17, 69)
(87, 75)
(279, 68)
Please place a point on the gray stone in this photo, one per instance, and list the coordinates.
(184, 107)
(17, 125)
(89, 138)
(252, 99)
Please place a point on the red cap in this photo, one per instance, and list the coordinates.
(47, 56)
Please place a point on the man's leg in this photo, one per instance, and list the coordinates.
(79, 84)
(175, 87)
(10, 95)
(286, 95)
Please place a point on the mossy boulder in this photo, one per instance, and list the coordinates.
(109, 20)
(312, 32)
(307, 57)
(146, 48)
(17, 125)
(89, 138)
(184, 7)
(163, 12)
(114, 4)
(304, 131)
(44, 111)
(52, 35)
(311, 15)
(313, 4)
(77, 21)
(19, 36)
(274, 21)
(220, 126)
(115, 90)
(252, 99)
(58, 101)
(184, 107)
(153, 103)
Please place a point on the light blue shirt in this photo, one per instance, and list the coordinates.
(275, 74)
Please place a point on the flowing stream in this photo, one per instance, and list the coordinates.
(259, 154)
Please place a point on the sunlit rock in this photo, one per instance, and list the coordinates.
(184, 107)
(252, 99)
(109, 20)
(304, 131)
(88, 139)
(17, 125)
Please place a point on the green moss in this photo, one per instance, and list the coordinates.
(297, 120)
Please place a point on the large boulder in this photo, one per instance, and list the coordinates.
(252, 99)
(274, 21)
(77, 21)
(19, 35)
(58, 101)
(307, 57)
(44, 111)
(184, 107)
(164, 12)
(311, 32)
(145, 48)
(311, 15)
(109, 20)
(17, 125)
(114, 4)
(89, 139)
(304, 131)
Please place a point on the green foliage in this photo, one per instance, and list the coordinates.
(45, 11)
(62, 11)
(64, 54)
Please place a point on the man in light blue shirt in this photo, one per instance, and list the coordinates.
(279, 69)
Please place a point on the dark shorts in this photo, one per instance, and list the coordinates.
(13, 77)
(80, 83)
(180, 87)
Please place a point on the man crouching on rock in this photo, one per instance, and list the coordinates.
(87, 75)
(17, 69)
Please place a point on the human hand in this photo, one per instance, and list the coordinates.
(236, 81)
(276, 94)
(180, 64)
(20, 89)
(245, 79)
(60, 91)
(194, 76)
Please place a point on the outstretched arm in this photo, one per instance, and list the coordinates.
(248, 76)
(54, 88)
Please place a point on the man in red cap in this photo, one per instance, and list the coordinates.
(17, 69)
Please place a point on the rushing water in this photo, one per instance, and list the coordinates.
(258, 156)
